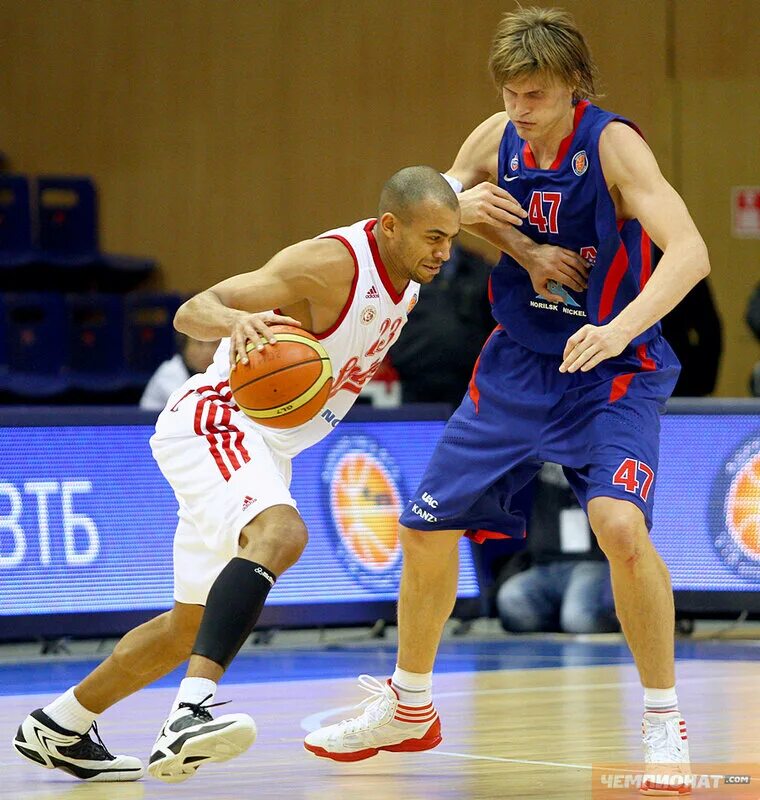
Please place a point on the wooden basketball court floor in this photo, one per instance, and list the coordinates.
(523, 717)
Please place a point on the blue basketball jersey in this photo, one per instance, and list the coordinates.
(568, 205)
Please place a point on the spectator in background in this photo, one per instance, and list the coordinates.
(192, 357)
(561, 581)
(753, 320)
(694, 332)
(443, 337)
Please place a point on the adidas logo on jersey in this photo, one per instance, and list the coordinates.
(372, 294)
(247, 501)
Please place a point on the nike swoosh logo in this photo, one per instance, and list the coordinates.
(179, 743)
(513, 178)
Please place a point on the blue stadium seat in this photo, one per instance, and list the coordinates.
(16, 235)
(69, 238)
(68, 221)
(36, 344)
(150, 337)
(95, 342)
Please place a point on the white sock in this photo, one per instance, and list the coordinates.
(413, 688)
(194, 690)
(69, 713)
(660, 700)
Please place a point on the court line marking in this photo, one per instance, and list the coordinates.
(588, 767)
(510, 760)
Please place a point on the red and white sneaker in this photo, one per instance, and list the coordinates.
(666, 755)
(385, 724)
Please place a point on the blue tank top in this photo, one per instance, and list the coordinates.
(568, 205)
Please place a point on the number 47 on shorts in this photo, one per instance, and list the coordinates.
(628, 473)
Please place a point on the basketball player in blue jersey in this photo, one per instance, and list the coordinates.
(575, 372)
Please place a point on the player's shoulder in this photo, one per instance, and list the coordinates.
(320, 261)
(332, 254)
(622, 150)
(326, 251)
(619, 133)
(477, 159)
(490, 131)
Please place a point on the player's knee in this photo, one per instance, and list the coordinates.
(277, 541)
(412, 542)
(427, 549)
(293, 541)
(622, 542)
(620, 529)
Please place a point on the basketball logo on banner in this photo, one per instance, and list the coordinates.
(737, 494)
(363, 495)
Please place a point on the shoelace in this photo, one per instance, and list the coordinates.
(665, 736)
(200, 710)
(374, 712)
(87, 748)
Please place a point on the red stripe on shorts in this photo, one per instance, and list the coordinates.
(472, 388)
(226, 436)
(204, 430)
(620, 383)
(221, 393)
(230, 446)
(223, 433)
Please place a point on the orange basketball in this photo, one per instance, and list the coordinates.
(285, 384)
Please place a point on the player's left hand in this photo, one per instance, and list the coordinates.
(490, 204)
(591, 345)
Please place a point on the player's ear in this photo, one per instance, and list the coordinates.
(388, 224)
(575, 90)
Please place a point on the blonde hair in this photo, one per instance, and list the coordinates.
(542, 40)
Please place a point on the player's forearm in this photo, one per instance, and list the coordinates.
(507, 238)
(682, 266)
(205, 317)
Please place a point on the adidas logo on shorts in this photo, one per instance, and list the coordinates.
(247, 500)
(372, 294)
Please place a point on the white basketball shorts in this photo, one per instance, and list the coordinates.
(223, 474)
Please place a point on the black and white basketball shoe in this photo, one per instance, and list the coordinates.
(191, 737)
(44, 742)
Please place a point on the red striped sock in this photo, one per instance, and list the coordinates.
(660, 700)
(413, 688)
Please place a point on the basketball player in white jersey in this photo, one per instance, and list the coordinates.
(239, 528)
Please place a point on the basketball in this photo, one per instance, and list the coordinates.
(285, 384)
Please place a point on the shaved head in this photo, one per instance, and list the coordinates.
(409, 187)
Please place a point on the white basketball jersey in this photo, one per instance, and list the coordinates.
(369, 323)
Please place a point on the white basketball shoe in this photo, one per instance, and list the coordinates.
(666, 755)
(191, 737)
(385, 724)
(42, 741)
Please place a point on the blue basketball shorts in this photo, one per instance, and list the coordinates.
(602, 426)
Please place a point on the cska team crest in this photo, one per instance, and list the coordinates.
(580, 162)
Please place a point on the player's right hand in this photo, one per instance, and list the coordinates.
(254, 328)
(490, 204)
(548, 262)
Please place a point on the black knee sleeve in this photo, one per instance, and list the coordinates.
(233, 607)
